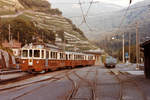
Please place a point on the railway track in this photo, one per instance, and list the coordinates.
(120, 83)
(16, 79)
(54, 78)
(76, 87)
(135, 84)
(120, 77)
(9, 72)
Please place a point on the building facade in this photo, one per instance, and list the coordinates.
(146, 49)
(14, 45)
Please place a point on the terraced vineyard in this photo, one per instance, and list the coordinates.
(46, 20)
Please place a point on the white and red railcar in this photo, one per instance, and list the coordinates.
(40, 58)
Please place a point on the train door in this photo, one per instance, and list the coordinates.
(30, 61)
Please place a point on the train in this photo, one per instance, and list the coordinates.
(110, 62)
(42, 58)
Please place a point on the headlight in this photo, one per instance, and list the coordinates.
(37, 62)
(23, 61)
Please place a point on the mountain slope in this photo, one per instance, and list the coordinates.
(109, 24)
(45, 21)
(138, 13)
(98, 16)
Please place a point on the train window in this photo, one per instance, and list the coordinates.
(30, 53)
(82, 57)
(51, 54)
(36, 53)
(54, 55)
(70, 57)
(42, 53)
(90, 58)
(61, 55)
(67, 58)
(47, 54)
(74, 57)
(78, 57)
(25, 53)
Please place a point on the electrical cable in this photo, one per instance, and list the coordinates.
(84, 16)
(100, 14)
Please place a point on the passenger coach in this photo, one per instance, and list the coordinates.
(42, 58)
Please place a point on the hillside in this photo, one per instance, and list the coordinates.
(36, 21)
(138, 12)
(98, 16)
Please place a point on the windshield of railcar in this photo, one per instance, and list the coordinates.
(24, 53)
(42, 53)
(36, 53)
(30, 53)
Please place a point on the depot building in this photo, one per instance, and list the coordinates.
(146, 49)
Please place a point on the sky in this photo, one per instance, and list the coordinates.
(123, 3)
(120, 2)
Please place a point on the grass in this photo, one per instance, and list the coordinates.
(4, 4)
(57, 22)
(3, 12)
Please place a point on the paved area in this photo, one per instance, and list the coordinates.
(2, 72)
(89, 83)
(11, 76)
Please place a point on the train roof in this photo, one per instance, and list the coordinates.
(51, 47)
(41, 46)
(95, 52)
(146, 43)
(79, 53)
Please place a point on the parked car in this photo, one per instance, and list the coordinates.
(110, 62)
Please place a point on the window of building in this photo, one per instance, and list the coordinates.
(15, 52)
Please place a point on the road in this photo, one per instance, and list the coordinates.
(88, 83)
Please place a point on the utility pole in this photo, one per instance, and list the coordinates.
(123, 49)
(129, 47)
(1, 32)
(137, 46)
(18, 37)
(9, 33)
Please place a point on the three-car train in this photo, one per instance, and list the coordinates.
(37, 58)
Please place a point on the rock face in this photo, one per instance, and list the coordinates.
(44, 18)
(6, 60)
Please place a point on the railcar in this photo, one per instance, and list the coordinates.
(39, 58)
(110, 62)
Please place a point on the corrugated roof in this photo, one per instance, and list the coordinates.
(145, 43)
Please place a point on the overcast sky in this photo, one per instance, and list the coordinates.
(120, 2)
(117, 2)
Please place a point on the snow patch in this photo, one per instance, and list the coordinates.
(136, 72)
